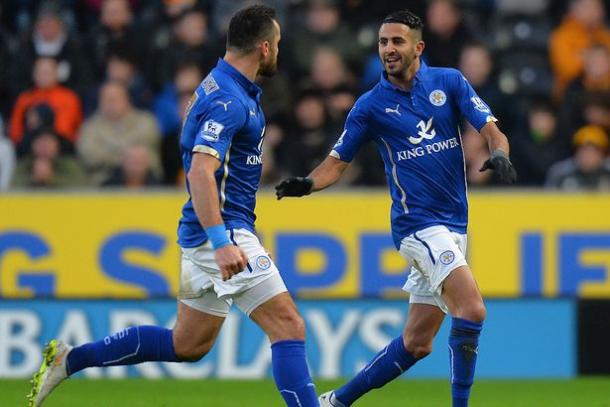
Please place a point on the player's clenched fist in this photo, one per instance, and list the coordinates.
(231, 260)
(294, 186)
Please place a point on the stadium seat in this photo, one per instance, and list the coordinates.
(525, 73)
(521, 32)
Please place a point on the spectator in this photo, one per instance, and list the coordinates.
(135, 171)
(476, 64)
(169, 110)
(582, 27)
(327, 69)
(115, 125)
(38, 117)
(594, 78)
(7, 159)
(596, 109)
(332, 79)
(121, 67)
(190, 42)
(309, 137)
(339, 102)
(158, 18)
(537, 147)
(64, 102)
(167, 106)
(445, 34)
(115, 31)
(588, 169)
(50, 38)
(323, 28)
(6, 61)
(47, 166)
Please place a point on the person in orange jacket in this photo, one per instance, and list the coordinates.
(582, 27)
(64, 102)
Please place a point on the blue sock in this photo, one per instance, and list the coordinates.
(291, 374)
(463, 350)
(387, 365)
(127, 347)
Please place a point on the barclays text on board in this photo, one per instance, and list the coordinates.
(342, 336)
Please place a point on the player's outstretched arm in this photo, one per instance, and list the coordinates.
(323, 176)
(499, 149)
(230, 259)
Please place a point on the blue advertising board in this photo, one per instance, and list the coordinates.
(521, 338)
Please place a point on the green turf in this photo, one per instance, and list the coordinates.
(584, 392)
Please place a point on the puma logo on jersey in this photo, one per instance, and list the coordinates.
(225, 105)
(395, 110)
(426, 132)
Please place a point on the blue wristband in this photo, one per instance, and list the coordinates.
(218, 236)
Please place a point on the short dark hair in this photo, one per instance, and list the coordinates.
(405, 17)
(249, 26)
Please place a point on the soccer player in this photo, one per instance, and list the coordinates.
(413, 115)
(222, 259)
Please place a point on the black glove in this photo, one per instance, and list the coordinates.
(294, 186)
(502, 166)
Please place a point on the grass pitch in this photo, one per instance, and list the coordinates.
(589, 392)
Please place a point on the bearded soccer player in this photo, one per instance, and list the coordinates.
(222, 258)
(413, 116)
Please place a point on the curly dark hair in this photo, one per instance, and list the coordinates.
(249, 26)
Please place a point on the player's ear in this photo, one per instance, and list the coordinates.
(419, 48)
(265, 48)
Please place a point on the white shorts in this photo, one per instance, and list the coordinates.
(202, 287)
(433, 253)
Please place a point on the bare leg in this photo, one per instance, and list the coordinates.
(462, 296)
(280, 319)
(423, 323)
(194, 333)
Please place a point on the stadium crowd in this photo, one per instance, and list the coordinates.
(92, 92)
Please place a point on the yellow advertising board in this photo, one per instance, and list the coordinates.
(327, 245)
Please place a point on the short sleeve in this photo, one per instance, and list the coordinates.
(354, 135)
(223, 118)
(472, 107)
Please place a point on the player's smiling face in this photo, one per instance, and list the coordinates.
(399, 46)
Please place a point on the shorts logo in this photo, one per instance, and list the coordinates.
(447, 257)
(438, 97)
(211, 130)
(263, 262)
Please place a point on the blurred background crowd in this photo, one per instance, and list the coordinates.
(92, 92)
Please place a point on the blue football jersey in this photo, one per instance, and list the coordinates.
(417, 134)
(224, 119)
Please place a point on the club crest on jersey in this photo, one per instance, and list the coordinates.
(426, 132)
(437, 97)
(447, 257)
(263, 262)
(211, 130)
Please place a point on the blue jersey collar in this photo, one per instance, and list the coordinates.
(252, 88)
(419, 75)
